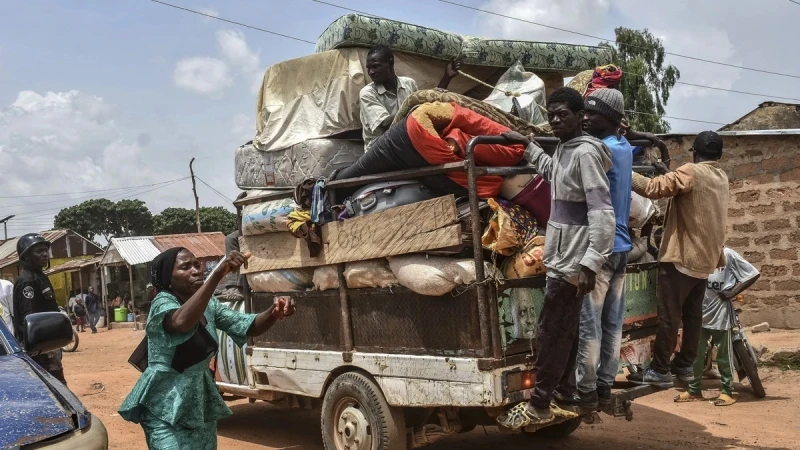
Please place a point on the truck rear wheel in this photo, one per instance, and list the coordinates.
(356, 416)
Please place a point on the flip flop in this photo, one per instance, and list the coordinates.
(562, 413)
(521, 416)
(724, 400)
(687, 396)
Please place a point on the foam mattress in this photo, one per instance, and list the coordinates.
(313, 158)
(353, 30)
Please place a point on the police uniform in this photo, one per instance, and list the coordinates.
(33, 293)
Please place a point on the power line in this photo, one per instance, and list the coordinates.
(125, 195)
(98, 190)
(694, 58)
(220, 194)
(686, 83)
(674, 118)
(88, 196)
(795, 2)
(233, 22)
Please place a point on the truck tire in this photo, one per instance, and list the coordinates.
(557, 431)
(356, 416)
(750, 368)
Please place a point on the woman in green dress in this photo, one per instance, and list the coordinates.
(179, 410)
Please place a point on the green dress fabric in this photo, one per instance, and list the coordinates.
(180, 410)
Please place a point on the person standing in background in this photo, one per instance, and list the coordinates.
(93, 309)
(7, 303)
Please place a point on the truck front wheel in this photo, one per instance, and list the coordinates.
(356, 416)
(557, 431)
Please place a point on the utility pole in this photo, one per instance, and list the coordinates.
(196, 200)
(5, 225)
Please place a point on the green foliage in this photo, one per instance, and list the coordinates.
(647, 82)
(182, 220)
(102, 217)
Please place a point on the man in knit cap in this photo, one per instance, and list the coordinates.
(691, 250)
(603, 311)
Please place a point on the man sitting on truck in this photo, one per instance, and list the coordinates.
(603, 311)
(381, 99)
(579, 240)
(691, 250)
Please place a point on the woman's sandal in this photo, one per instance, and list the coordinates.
(521, 416)
(562, 413)
(724, 400)
(688, 397)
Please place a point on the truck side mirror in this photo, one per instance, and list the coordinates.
(45, 332)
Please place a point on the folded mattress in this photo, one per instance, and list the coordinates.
(313, 158)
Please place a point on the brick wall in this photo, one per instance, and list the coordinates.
(763, 219)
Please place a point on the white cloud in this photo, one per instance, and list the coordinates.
(58, 142)
(211, 76)
(586, 16)
(203, 75)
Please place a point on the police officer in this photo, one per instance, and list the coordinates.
(33, 293)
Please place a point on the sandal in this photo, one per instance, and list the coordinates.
(688, 397)
(562, 413)
(521, 416)
(724, 400)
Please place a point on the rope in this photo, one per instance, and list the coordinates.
(508, 93)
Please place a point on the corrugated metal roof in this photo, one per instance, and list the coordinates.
(202, 245)
(72, 266)
(8, 250)
(132, 250)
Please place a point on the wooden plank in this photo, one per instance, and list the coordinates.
(274, 251)
(405, 229)
(428, 225)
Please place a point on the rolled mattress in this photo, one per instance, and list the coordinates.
(354, 30)
(313, 158)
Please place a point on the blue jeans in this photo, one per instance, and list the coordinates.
(602, 316)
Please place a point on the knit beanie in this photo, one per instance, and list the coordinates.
(608, 102)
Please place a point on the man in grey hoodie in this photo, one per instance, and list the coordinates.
(579, 240)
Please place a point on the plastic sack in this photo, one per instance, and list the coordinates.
(286, 280)
(373, 273)
(530, 104)
(527, 263)
(267, 217)
(639, 249)
(510, 229)
(325, 278)
(434, 275)
(642, 210)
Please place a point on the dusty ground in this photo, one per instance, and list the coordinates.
(771, 423)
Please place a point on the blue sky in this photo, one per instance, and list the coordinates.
(97, 94)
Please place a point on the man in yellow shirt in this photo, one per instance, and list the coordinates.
(691, 250)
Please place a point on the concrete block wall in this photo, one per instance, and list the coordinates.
(763, 219)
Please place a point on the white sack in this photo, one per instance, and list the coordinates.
(373, 273)
(286, 280)
(642, 210)
(434, 275)
(325, 278)
(531, 90)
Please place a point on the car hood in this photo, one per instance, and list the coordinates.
(31, 409)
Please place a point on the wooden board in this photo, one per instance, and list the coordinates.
(405, 229)
(273, 251)
(428, 225)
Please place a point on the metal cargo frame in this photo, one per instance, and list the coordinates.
(366, 319)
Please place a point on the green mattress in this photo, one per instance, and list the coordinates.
(353, 30)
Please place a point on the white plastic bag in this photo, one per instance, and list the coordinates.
(325, 278)
(642, 210)
(286, 280)
(373, 273)
(434, 275)
(531, 89)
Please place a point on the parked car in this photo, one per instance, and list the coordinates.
(36, 410)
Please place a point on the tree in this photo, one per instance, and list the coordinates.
(182, 220)
(132, 218)
(646, 82)
(102, 217)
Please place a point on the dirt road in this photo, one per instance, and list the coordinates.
(771, 423)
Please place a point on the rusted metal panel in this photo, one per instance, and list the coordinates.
(202, 245)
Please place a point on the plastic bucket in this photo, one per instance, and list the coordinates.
(120, 314)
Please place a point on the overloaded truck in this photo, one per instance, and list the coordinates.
(416, 315)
